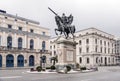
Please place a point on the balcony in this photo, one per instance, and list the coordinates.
(24, 50)
(45, 51)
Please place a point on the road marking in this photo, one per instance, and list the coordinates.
(10, 77)
(86, 80)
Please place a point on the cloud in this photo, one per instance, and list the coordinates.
(103, 14)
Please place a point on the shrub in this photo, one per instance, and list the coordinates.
(38, 68)
(77, 66)
(52, 67)
(68, 68)
(43, 69)
(83, 68)
(48, 67)
(32, 69)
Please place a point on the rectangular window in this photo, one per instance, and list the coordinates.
(20, 28)
(105, 50)
(101, 60)
(95, 41)
(80, 59)
(108, 50)
(80, 42)
(31, 30)
(101, 49)
(96, 49)
(104, 43)
(87, 49)
(87, 41)
(80, 50)
(100, 42)
(108, 44)
(9, 26)
(88, 60)
(43, 33)
(50, 47)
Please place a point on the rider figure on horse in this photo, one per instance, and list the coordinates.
(64, 19)
(64, 24)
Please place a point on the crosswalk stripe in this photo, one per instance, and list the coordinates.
(8, 77)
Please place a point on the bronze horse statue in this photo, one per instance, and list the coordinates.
(64, 24)
(65, 29)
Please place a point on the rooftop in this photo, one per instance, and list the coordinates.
(2, 12)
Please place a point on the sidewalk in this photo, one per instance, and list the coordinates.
(15, 68)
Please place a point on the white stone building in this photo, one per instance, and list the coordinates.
(117, 50)
(95, 47)
(22, 41)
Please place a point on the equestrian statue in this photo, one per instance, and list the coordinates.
(64, 24)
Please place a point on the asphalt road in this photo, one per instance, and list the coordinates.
(104, 74)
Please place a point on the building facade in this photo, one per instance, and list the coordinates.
(22, 41)
(94, 47)
(117, 50)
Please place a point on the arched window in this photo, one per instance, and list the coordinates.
(19, 43)
(31, 60)
(0, 60)
(43, 45)
(9, 42)
(20, 61)
(31, 44)
(10, 60)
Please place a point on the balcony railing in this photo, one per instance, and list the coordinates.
(15, 49)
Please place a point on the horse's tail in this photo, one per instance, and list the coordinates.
(74, 29)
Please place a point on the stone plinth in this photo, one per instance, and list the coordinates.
(66, 51)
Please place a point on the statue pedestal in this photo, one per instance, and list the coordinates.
(66, 51)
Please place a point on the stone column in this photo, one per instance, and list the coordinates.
(4, 39)
(3, 60)
(14, 41)
(26, 60)
(15, 60)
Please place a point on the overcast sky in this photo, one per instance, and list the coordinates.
(102, 14)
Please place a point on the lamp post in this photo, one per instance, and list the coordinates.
(42, 59)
